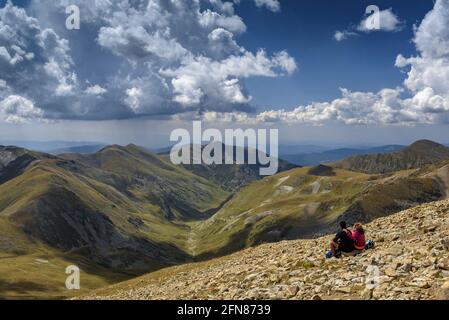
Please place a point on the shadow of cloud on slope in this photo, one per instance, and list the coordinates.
(21, 287)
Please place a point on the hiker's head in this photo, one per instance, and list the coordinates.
(359, 228)
(343, 225)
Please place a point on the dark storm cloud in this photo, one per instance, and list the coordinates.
(131, 58)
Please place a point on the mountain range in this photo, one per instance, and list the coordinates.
(123, 210)
(230, 177)
(52, 147)
(332, 155)
(417, 155)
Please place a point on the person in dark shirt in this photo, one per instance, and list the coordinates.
(343, 241)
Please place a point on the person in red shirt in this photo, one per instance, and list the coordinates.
(349, 242)
(358, 235)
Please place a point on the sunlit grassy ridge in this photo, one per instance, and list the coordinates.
(295, 204)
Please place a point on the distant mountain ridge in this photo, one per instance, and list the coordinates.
(287, 149)
(231, 177)
(327, 156)
(79, 149)
(47, 146)
(420, 153)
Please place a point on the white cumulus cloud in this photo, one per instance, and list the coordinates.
(384, 20)
(146, 57)
(273, 5)
(343, 35)
(423, 98)
(17, 109)
(388, 21)
(96, 90)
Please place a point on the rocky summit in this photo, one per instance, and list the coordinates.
(410, 261)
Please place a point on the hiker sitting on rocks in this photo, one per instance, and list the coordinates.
(343, 242)
(358, 236)
(349, 242)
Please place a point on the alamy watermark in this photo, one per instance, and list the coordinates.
(372, 22)
(73, 21)
(240, 146)
(372, 280)
(72, 282)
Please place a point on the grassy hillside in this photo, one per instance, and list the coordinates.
(297, 204)
(32, 270)
(148, 178)
(122, 209)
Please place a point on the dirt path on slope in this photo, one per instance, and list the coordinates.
(192, 240)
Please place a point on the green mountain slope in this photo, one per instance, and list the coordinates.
(148, 178)
(122, 210)
(14, 161)
(297, 204)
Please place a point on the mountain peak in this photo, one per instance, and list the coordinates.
(128, 148)
(425, 145)
(10, 153)
(112, 147)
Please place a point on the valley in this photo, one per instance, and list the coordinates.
(123, 211)
(224, 149)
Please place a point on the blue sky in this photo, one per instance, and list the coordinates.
(159, 64)
(306, 29)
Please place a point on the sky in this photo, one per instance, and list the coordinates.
(137, 69)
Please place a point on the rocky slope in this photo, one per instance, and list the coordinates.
(411, 257)
(14, 161)
(417, 155)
